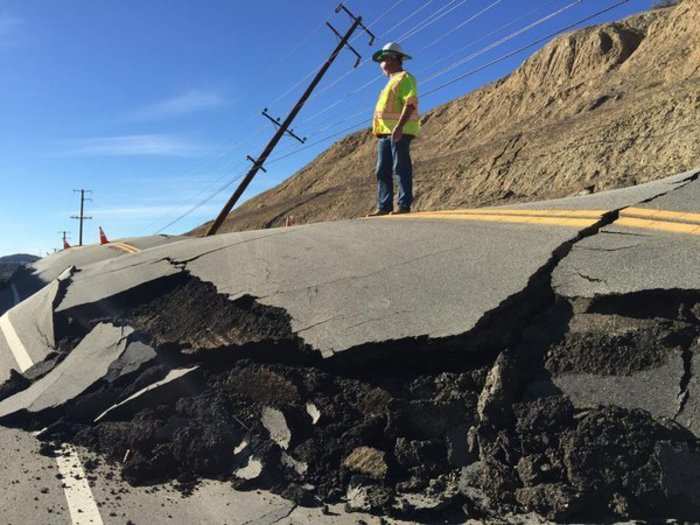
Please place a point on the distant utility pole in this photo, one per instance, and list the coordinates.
(283, 127)
(64, 238)
(82, 216)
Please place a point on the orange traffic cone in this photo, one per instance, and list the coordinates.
(65, 244)
(103, 237)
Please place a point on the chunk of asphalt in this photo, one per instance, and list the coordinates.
(313, 412)
(367, 461)
(87, 364)
(654, 390)
(689, 397)
(300, 467)
(499, 391)
(257, 465)
(367, 498)
(440, 495)
(626, 361)
(276, 424)
(177, 383)
(134, 357)
(287, 426)
(456, 439)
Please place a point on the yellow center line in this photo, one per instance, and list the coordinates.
(664, 215)
(588, 214)
(659, 220)
(128, 248)
(511, 219)
(665, 226)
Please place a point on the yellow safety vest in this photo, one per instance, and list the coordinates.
(399, 91)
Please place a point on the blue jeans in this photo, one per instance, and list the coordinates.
(394, 159)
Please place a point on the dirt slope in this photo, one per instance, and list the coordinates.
(603, 107)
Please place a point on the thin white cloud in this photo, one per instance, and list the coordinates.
(183, 104)
(135, 145)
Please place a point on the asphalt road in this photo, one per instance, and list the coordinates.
(345, 285)
(49, 268)
(651, 246)
(44, 490)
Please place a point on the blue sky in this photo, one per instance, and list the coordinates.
(154, 105)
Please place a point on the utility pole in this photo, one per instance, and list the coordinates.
(64, 235)
(283, 127)
(82, 216)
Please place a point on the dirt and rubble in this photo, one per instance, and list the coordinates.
(438, 438)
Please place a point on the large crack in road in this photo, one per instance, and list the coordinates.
(477, 425)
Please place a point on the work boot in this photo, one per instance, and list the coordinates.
(401, 211)
(378, 213)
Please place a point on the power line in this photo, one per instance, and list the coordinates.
(526, 47)
(470, 73)
(200, 204)
(277, 99)
(461, 25)
(284, 126)
(503, 40)
(452, 66)
(502, 58)
(238, 144)
(438, 15)
(414, 30)
(495, 31)
(401, 22)
(306, 77)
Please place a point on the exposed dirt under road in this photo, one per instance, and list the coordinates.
(431, 437)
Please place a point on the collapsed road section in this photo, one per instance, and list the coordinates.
(501, 384)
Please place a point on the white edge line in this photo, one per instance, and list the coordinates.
(24, 361)
(81, 502)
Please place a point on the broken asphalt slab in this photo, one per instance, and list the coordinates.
(49, 268)
(643, 275)
(105, 354)
(177, 383)
(346, 294)
(348, 284)
(634, 363)
(624, 260)
(33, 319)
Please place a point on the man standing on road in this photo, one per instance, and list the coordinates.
(395, 124)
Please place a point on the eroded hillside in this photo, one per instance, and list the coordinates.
(600, 108)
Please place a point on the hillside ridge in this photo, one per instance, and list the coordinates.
(603, 107)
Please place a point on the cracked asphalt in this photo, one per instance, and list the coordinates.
(448, 279)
